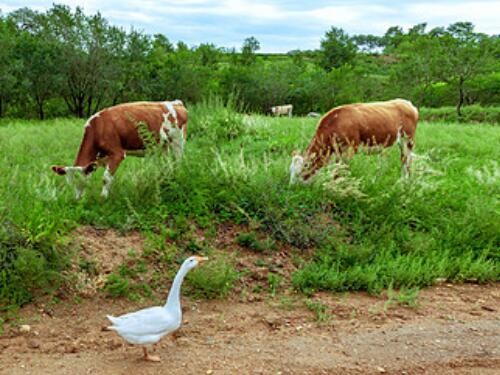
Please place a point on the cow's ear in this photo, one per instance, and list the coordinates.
(61, 171)
(90, 168)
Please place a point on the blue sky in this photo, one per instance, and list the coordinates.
(279, 25)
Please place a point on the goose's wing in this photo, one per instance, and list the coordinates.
(150, 321)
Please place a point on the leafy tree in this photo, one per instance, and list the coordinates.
(39, 75)
(250, 46)
(88, 57)
(337, 49)
(8, 64)
(417, 70)
(464, 54)
(368, 42)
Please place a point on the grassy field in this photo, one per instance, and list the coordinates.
(368, 231)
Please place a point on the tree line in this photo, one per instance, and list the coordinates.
(61, 62)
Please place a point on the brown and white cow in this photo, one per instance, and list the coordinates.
(349, 126)
(282, 110)
(113, 132)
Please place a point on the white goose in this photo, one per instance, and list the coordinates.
(148, 326)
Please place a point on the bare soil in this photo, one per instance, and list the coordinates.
(455, 329)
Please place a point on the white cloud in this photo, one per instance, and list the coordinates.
(280, 25)
(485, 15)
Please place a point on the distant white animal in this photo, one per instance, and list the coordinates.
(313, 114)
(282, 110)
(148, 326)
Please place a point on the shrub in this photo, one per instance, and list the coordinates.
(215, 120)
(213, 279)
(472, 113)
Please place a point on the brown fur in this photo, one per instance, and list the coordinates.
(349, 126)
(113, 132)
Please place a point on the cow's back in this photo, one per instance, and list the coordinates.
(118, 124)
(369, 123)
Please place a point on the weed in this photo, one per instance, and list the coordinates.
(274, 281)
(250, 241)
(212, 280)
(406, 297)
(320, 310)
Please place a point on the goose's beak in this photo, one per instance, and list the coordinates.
(201, 259)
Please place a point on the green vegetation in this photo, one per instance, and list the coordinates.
(212, 280)
(320, 310)
(250, 241)
(369, 229)
(406, 297)
(470, 114)
(62, 62)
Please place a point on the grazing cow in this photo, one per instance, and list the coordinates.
(282, 110)
(348, 126)
(113, 132)
(313, 114)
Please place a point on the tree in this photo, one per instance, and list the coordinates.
(88, 59)
(337, 49)
(368, 43)
(418, 55)
(8, 64)
(250, 46)
(464, 54)
(41, 78)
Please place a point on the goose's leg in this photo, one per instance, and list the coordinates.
(150, 358)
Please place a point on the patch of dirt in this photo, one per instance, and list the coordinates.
(106, 247)
(454, 330)
(100, 252)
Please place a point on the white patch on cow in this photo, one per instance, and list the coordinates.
(406, 155)
(296, 168)
(70, 173)
(171, 109)
(108, 180)
(79, 184)
(174, 135)
(95, 115)
(163, 135)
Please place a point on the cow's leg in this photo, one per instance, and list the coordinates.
(114, 161)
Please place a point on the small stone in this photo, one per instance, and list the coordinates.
(380, 369)
(71, 348)
(25, 328)
(34, 344)
(488, 308)
(209, 372)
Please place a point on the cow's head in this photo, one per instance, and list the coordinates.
(75, 173)
(296, 168)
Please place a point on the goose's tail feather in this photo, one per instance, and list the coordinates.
(113, 320)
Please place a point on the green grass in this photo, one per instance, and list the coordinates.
(369, 229)
(470, 114)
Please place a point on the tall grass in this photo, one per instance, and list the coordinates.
(370, 229)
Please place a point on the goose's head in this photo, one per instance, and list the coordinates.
(193, 261)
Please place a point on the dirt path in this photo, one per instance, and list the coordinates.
(455, 330)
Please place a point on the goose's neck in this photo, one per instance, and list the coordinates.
(174, 300)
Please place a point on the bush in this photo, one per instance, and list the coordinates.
(215, 121)
(213, 279)
(472, 113)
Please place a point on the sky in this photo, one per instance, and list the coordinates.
(279, 25)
